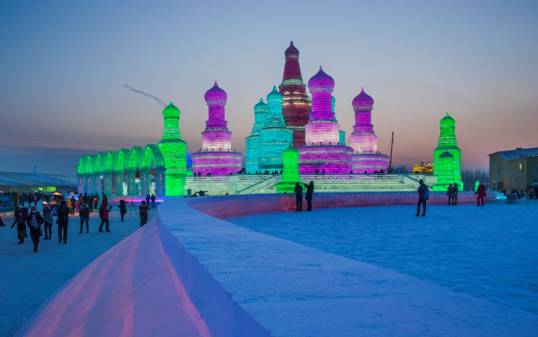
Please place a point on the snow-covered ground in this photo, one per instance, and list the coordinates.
(489, 252)
(189, 274)
(27, 279)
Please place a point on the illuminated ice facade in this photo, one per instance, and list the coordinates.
(274, 136)
(253, 141)
(216, 157)
(447, 156)
(363, 140)
(153, 169)
(323, 152)
(290, 172)
(296, 103)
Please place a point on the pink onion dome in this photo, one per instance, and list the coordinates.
(291, 50)
(363, 100)
(215, 95)
(321, 82)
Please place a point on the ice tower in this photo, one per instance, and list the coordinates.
(173, 150)
(363, 140)
(253, 142)
(296, 104)
(274, 136)
(447, 156)
(323, 153)
(290, 172)
(216, 156)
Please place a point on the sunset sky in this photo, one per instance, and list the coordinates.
(64, 64)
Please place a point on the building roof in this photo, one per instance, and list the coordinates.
(12, 179)
(518, 153)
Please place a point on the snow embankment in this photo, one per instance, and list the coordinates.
(139, 288)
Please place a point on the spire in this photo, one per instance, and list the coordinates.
(292, 70)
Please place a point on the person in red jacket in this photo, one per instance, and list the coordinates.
(480, 195)
(103, 214)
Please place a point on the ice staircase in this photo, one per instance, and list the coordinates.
(264, 186)
(259, 184)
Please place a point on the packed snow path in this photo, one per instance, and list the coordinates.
(27, 279)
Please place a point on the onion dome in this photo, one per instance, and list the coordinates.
(215, 95)
(171, 111)
(274, 95)
(363, 100)
(448, 121)
(261, 106)
(321, 82)
(291, 50)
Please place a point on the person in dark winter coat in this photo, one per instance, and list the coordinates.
(34, 221)
(148, 199)
(153, 200)
(298, 197)
(47, 220)
(423, 196)
(455, 190)
(143, 210)
(84, 214)
(480, 195)
(20, 221)
(103, 214)
(123, 209)
(63, 222)
(309, 195)
(450, 194)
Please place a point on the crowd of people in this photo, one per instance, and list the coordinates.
(40, 223)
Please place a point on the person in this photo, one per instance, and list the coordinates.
(298, 197)
(95, 201)
(72, 208)
(63, 222)
(480, 195)
(423, 196)
(153, 200)
(34, 221)
(450, 193)
(84, 214)
(47, 220)
(309, 195)
(103, 214)
(68, 202)
(455, 190)
(20, 221)
(123, 209)
(148, 198)
(143, 210)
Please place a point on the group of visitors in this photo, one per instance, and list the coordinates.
(299, 195)
(35, 220)
(452, 193)
(40, 224)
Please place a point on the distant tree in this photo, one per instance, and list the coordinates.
(469, 178)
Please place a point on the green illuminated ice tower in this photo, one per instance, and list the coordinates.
(447, 157)
(174, 152)
(290, 172)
